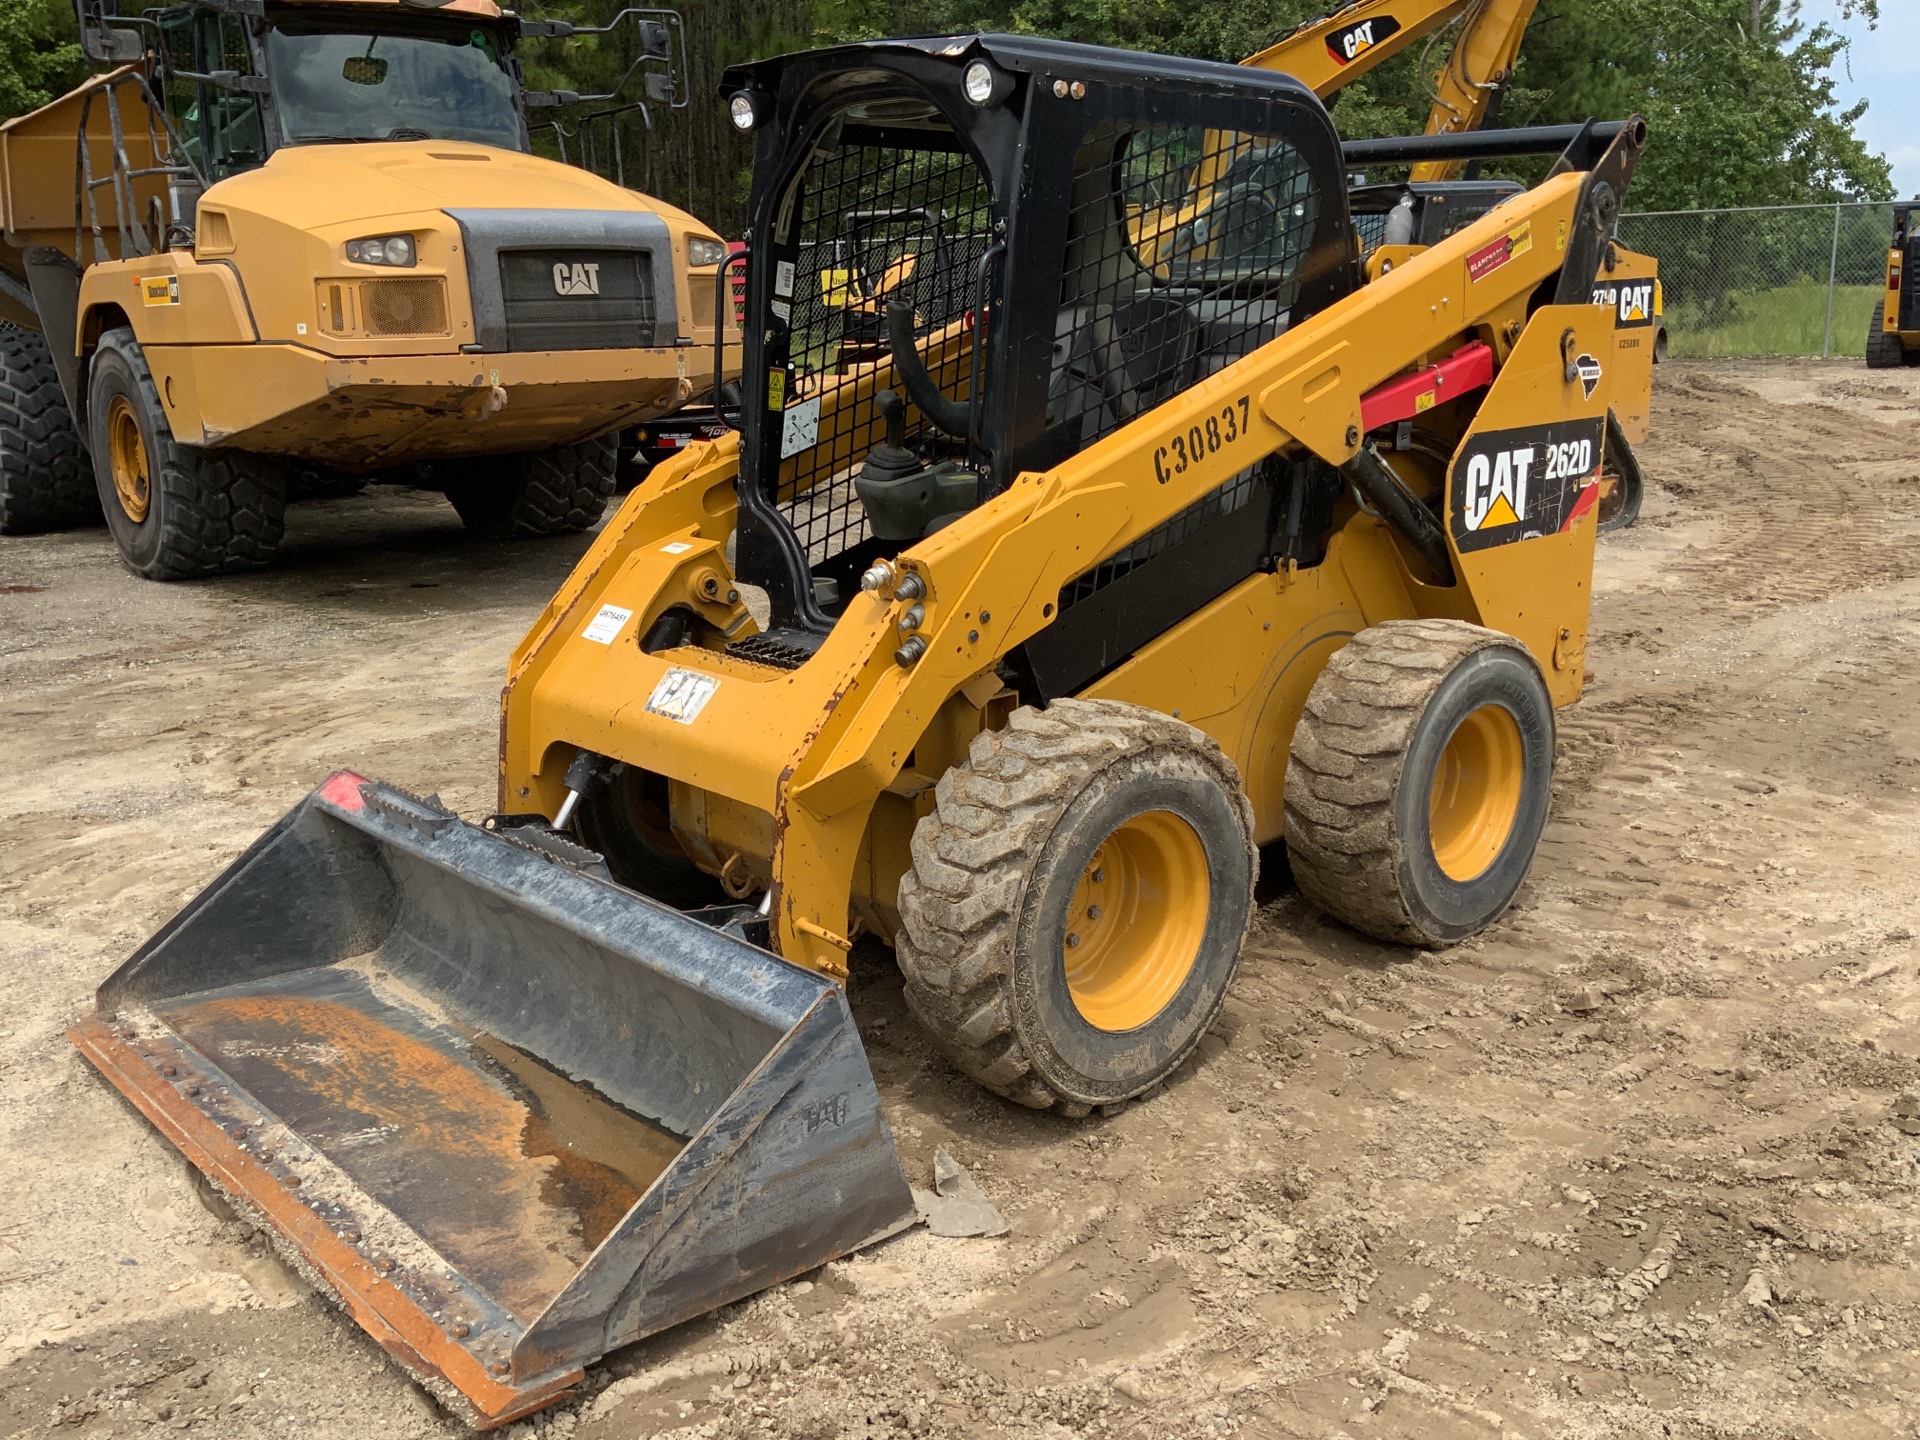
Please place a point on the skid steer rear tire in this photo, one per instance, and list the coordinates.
(177, 512)
(1077, 903)
(1623, 485)
(1883, 350)
(44, 481)
(522, 497)
(1418, 781)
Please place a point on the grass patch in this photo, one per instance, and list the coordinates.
(1786, 320)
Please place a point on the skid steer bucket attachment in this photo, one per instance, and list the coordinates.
(511, 1114)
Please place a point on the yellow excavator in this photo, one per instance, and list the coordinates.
(287, 243)
(1009, 646)
(1469, 86)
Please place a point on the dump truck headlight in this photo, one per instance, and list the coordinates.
(382, 250)
(983, 85)
(702, 252)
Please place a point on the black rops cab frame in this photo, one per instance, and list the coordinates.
(1049, 238)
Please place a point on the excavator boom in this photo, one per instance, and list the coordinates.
(1339, 48)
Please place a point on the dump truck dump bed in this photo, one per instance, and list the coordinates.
(510, 1114)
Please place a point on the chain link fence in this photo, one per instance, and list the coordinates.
(1767, 280)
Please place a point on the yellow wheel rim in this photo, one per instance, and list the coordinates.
(1476, 792)
(127, 456)
(1138, 915)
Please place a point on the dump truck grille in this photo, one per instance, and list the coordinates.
(578, 299)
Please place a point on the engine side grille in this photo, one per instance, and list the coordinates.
(578, 299)
(404, 307)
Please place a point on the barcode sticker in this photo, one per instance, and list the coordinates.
(605, 626)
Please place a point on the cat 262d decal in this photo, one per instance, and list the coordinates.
(1512, 485)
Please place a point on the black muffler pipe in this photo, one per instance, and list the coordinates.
(1483, 144)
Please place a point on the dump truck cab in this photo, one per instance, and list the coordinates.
(1893, 334)
(320, 232)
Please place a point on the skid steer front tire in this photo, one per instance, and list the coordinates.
(1883, 350)
(1418, 781)
(523, 497)
(177, 512)
(44, 484)
(1077, 903)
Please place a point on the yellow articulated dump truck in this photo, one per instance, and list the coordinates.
(286, 243)
(1006, 630)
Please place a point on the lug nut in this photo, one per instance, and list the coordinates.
(1072, 939)
(1099, 876)
(908, 655)
(1093, 912)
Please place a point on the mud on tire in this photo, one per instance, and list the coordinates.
(551, 492)
(44, 482)
(1369, 835)
(1008, 849)
(207, 512)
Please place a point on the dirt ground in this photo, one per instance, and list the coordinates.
(1635, 1163)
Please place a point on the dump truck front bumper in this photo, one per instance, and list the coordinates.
(377, 413)
(510, 1114)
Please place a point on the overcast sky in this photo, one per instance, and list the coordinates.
(1884, 67)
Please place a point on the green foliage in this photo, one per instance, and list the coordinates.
(1739, 93)
(39, 56)
(1786, 320)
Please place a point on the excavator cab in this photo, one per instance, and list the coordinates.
(1023, 331)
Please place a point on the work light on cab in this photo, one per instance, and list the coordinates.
(702, 252)
(382, 250)
(983, 85)
(744, 110)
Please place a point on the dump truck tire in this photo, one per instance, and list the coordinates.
(1077, 902)
(625, 819)
(44, 484)
(177, 512)
(1418, 780)
(553, 492)
(1883, 350)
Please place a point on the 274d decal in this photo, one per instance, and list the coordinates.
(1512, 485)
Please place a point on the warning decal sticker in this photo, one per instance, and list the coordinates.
(1510, 485)
(1510, 246)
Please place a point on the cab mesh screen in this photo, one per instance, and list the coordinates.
(883, 216)
(1183, 256)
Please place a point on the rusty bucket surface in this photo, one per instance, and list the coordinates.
(511, 1114)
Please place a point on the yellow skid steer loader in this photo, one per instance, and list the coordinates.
(1010, 645)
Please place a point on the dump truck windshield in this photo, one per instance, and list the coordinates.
(333, 86)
